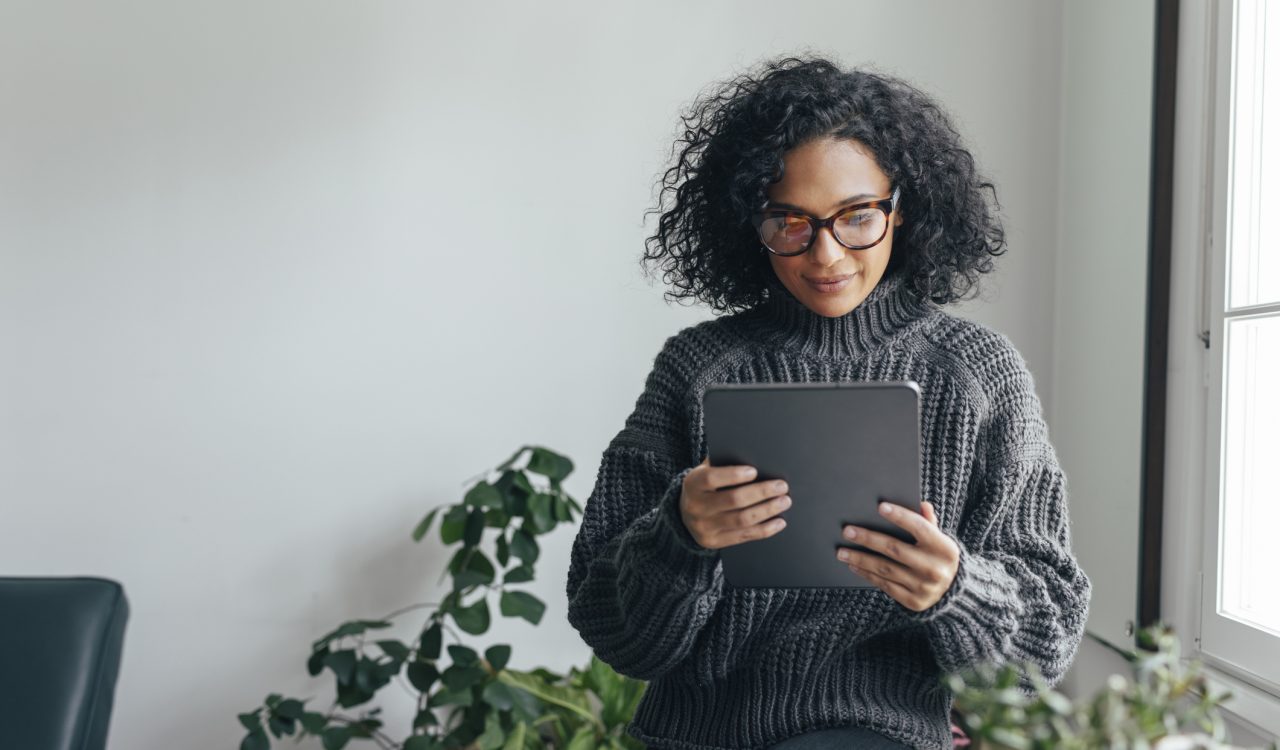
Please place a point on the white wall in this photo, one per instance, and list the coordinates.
(275, 278)
(1101, 293)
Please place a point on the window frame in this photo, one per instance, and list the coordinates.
(1242, 651)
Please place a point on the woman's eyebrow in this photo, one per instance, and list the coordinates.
(845, 202)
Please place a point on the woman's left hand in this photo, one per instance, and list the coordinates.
(916, 575)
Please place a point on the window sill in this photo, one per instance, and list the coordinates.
(1248, 704)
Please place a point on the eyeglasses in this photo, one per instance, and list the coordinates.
(788, 232)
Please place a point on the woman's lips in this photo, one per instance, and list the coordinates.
(831, 287)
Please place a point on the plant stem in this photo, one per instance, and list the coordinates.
(411, 608)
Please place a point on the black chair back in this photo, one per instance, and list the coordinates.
(60, 646)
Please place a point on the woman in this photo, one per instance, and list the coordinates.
(830, 213)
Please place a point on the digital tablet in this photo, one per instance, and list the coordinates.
(841, 447)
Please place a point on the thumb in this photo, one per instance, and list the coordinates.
(929, 515)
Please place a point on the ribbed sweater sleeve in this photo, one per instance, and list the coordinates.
(640, 587)
(1019, 593)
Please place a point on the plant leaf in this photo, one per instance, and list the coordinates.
(464, 655)
(522, 604)
(352, 695)
(343, 664)
(518, 574)
(524, 546)
(429, 643)
(289, 708)
(279, 726)
(315, 662)
(250, 720)
(314, 722)
(504, 552)
(497, 656)
(457, 677)
(424, 525)
(335, 738)
(369, 676)
(493, 736)
(515, 740)
(549, 464)
(540, 509)
(474, 569)
(474, 529)
(422, 675)
(560, 508)
(483, 496)
(424, 718)
(474, 619)
(583, 739)
(453, 524)
(566, 697)
(496, 517)
(447, 697)
(255, 741)
(498, 695)
(395, 649)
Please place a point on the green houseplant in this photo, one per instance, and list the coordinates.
(1166, 704)
(489, 705)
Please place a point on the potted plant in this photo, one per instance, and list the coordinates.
(1167, 705)
(486, 704)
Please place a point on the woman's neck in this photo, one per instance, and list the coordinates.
(784, 322)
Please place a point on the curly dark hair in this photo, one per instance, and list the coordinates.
(733, 143)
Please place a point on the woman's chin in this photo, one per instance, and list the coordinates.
(835, 305)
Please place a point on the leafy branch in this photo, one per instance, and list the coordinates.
(489, 705)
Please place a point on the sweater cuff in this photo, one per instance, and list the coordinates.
(671, 542)
(983, 598)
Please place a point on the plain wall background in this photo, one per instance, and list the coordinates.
(275, 279)
(1100, 280)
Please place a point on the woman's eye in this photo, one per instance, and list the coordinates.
(856, 218)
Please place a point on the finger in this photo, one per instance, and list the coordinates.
(930, 514)
(759, 512)
(904, 552)
(732, 536)
(736, 498)
(894, 589)
(889, 570)
(717, 477)
(926, 534)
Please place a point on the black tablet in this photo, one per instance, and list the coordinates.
(841, 446)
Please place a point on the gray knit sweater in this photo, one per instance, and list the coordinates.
(745, 668)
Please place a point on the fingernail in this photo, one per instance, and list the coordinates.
(842, 555)
(851, 533)
(886, 508)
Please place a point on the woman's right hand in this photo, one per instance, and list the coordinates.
(718, 518)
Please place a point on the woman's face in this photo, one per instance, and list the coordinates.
(821, 177)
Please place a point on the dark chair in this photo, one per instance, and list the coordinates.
(60, 646)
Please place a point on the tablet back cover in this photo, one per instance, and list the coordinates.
(841, 447)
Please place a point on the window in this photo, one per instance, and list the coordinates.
(1240, 605)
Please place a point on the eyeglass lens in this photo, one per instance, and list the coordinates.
(790, 233)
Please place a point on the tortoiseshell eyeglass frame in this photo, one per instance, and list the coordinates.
(886, 205)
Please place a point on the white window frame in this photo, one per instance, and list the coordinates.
(1237, 657)
(1232, 646)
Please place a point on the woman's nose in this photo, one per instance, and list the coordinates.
(826, 250)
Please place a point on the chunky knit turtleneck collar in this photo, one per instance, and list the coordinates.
(784, 322)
